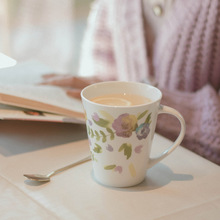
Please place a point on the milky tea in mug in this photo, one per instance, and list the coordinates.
(121, 99)
(121, 119)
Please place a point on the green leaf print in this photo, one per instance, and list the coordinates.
(97, 135)
(127, 148)
(148, 119)
(142, 115)
(88, 130)
(92, 133)
(109, 167)
(112, 135)
(93, 157)
(103, 136)
(102, 122)
(97, 149)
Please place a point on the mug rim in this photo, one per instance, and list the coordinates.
(121, 82)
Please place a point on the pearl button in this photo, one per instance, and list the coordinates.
(158, 10)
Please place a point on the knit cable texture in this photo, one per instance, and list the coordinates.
(186, 62)
(201, 112)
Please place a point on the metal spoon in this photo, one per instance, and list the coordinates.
(46, 178)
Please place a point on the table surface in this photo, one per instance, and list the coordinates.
(182, 186)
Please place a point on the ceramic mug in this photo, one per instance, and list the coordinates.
(120, 137)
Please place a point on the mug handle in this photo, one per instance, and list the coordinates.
(169, 110)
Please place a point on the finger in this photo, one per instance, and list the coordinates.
(74, 93)
(49, 75)
(66, 81)
(56, 80)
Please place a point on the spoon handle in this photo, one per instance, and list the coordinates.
(69, 166)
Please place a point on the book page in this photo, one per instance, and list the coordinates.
(15, 113)
(29, 72)
(23, 81)
(46, 94)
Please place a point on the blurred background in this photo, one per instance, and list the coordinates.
(49, 31)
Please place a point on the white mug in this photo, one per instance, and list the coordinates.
(120, 137)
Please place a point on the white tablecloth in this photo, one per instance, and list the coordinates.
(182, 186)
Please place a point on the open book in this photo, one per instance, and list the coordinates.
(23, 98)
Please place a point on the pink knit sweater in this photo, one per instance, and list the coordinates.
(186, 62)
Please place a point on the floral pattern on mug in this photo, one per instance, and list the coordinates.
(142, 131)
(138, 149)
(109, 148)
(114, 168)
(123, 126)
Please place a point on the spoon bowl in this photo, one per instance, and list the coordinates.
(37, 177)
(46, 178)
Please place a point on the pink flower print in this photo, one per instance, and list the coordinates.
(138, 149)
(118, 169)
(95, 117)
(90, 122)
(124, 125)
(109, 148)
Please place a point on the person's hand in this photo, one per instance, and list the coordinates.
(72, 84)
